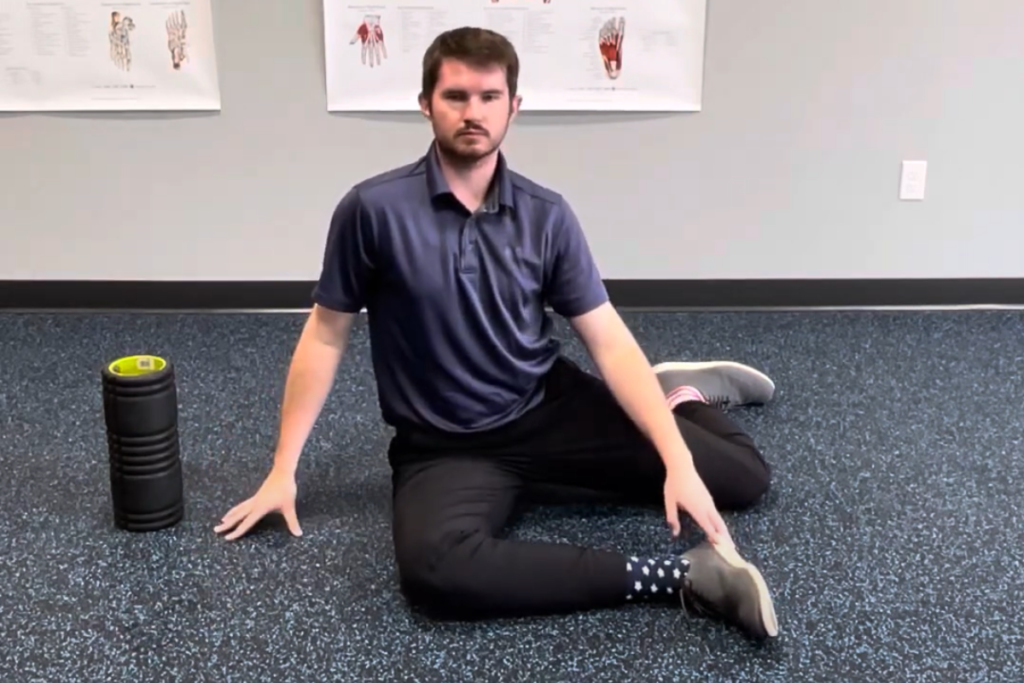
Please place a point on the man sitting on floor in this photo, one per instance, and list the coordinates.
(455, 258)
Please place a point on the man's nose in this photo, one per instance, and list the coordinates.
(474, 108)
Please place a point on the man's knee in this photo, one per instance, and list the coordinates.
(433, 568)
(751, 485)
(760, 479)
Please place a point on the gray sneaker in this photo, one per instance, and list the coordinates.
(721, 585)
(723, 383)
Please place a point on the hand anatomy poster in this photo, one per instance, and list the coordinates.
(103, 55)
(617, 55)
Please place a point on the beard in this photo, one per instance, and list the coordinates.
(466, 150)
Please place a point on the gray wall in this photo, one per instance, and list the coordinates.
(791, 170)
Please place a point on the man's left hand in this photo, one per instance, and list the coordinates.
(684, 489)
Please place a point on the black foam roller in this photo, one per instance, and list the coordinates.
(140, 407)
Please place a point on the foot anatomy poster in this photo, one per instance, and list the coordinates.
(621, 55)
(103, 55)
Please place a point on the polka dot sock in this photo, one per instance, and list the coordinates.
(654, 578)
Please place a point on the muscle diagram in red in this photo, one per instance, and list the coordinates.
(609, 43)
(371, 35)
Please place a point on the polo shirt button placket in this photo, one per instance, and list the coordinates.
(467, 247)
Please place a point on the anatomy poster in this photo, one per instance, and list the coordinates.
(103, 55)
(622, 55)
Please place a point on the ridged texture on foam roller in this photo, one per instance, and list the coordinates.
(141, 417)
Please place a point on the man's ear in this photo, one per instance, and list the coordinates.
(517, 102)
(424, 106)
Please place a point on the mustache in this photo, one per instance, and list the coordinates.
(471, 129)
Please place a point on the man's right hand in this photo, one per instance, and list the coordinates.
(277, 494)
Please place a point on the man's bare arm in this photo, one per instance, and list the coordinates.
(311, 375)
(629, 375)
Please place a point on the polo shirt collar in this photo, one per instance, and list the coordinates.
(500, 193)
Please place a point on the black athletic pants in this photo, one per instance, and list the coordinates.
(454, 494)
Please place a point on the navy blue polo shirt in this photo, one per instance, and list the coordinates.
(459, 334)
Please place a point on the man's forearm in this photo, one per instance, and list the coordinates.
(310, 378)
(628, 374)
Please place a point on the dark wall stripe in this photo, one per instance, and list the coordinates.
(171, 295)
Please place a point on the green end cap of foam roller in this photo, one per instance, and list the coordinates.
(133, 366)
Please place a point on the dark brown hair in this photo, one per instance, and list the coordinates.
(477, 47)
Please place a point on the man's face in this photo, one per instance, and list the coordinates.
(470, 110)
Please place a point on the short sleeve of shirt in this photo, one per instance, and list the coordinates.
(574, 284)
(348, 258)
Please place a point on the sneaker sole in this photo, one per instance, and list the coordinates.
(711, 364)
(765, 603)
(714, 364)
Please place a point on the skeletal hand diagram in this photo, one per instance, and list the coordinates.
(609, 42)
(372, 37)
(176, 28)
(120, 43)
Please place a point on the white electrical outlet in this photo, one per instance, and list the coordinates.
(912, 181)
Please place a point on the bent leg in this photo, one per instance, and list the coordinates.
(592, 445)
(448, 514)
(731, 466)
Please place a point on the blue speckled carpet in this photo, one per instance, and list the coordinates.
(892, 538)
